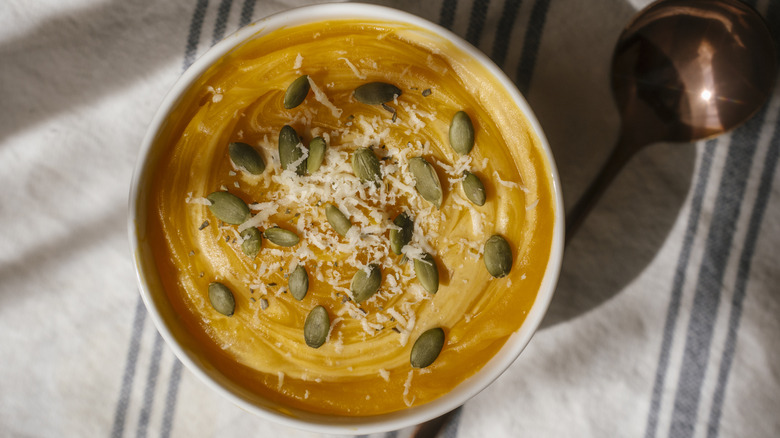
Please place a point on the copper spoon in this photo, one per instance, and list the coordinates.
(682, 71)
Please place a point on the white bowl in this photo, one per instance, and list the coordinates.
(182, 343)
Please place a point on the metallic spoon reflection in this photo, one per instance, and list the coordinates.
(684, 70)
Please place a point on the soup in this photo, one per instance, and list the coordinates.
(354, 163)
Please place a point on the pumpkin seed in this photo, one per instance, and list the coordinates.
(365, 284)
(316, 154)
(316, 327)
(222, 299)
(365, 165)
(253, 241)
(296, 92)
(428, 184)
(473, 188)
(228, 207)
(400, 238)
(281, 237)
(427, 272)
(461, 133)
(376, 93)
(427, 348)
(291, 150)
(498, 256)
(337, 219)
(246, 157)
(298, 282)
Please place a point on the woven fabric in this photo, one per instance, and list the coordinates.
(665, 320)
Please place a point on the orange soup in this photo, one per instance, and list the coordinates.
(362, 366)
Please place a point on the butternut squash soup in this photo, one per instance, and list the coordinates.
(351, 217)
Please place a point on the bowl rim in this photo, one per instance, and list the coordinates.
(465, 390)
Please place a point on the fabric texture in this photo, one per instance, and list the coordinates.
(664, 323)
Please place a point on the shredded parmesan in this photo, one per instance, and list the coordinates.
(216, 95)
(322, 98)
(407, 386)
(510, 184)
(353, 68)
(265, 211)
(196, 200)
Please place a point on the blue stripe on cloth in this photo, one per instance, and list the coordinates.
(477, 21)
(709, 284)
(247, 11)
(194, 35)
(743, 271)
(170, 399)
(533, 38)
(127, 378)
(772, 18)
(222, 16)
(504, 31)
(151, 385)
(673, 309)
(196, 24)
(447, 14)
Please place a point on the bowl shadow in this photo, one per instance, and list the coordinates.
(624, 232)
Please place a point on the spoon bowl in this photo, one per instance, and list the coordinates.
(682, 71)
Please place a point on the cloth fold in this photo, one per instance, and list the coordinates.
(664, 322)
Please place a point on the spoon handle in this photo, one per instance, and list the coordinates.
(625, 148)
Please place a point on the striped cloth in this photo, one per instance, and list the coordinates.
(667, 307)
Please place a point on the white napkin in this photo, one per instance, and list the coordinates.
(665, 321)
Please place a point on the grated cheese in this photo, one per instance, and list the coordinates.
(196, 200)
(265, 211)
(353, 68)
(407, 386)
(216, 94)
(332, 325)
(322, 98)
